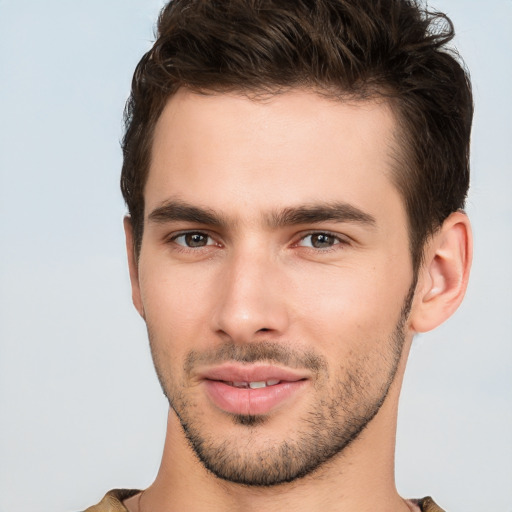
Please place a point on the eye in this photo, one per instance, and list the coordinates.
(193, 239)
(319, 240)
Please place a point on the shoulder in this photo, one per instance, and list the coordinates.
(113, 501)
(427, 505)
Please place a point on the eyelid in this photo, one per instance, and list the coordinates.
(174, 236)
(340, 238)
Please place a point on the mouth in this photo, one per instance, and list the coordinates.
(255, 384)
(251, 375)
(252, 390)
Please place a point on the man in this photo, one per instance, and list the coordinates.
(295, 173)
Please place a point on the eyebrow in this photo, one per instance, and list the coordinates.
(176, 210)
(310, 214)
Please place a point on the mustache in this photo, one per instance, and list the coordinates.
(264, 351)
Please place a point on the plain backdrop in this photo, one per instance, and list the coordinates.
(80, 408)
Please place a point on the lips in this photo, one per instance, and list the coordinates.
(254, 385)
(251, 390)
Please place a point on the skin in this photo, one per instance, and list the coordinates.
(252, 277)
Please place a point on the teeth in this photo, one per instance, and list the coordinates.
(255, 385)
(240, 384)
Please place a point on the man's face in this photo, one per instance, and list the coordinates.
(274, 276)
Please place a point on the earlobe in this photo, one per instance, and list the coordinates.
(133, 266)
(444, 274)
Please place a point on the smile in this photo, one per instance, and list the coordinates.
(252, 397)
(254, 385)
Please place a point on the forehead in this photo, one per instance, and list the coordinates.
(231, 152)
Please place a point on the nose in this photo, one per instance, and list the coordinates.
(251, 299)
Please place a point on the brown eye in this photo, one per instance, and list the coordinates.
(322, 240)
(193, 240)
(319, 241)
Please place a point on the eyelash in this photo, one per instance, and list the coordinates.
(184, 247)
(338, 241)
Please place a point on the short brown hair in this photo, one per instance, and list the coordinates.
(344, 48)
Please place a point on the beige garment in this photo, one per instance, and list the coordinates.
(113, 502)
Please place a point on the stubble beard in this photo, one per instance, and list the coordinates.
(338, 417)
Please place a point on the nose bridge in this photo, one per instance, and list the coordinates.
(250, 299)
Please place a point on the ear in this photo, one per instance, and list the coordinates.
(133, 265)
(444, 274)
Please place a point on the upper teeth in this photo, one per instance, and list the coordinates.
(256, 385)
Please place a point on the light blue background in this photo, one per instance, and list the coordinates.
(80, 408)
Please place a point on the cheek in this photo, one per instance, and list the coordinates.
(175, 299)
(352, 305)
